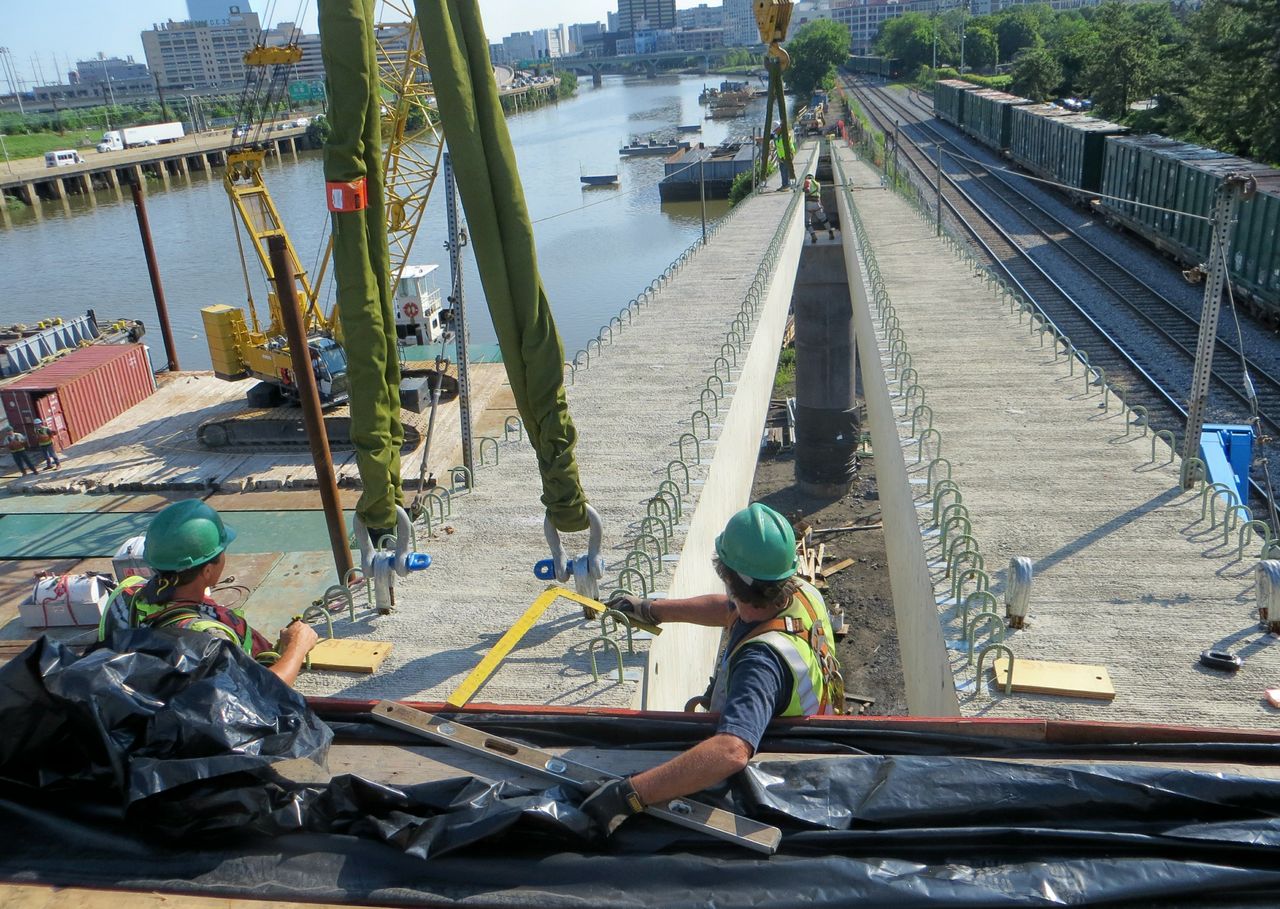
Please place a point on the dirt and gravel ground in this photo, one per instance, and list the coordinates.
(869, 653)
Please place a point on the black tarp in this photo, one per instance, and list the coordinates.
(165, 763)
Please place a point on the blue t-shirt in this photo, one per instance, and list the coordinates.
(759, 688)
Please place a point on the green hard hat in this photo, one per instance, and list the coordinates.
(758, 543)
(184, 535)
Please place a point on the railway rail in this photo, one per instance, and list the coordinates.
(1168, 333)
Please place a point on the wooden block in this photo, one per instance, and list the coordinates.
(349, 656)
(1077, 680)
(834, 567)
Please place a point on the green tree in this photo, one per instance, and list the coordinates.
(980, 47)
(1036, 74)
(1233, 84)
(816, 50)
(1127, 61)
(568, 83)
(909, 38)
(1071, 37)
(1017, 28)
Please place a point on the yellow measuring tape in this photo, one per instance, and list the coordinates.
(471, 684)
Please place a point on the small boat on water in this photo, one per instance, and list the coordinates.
(653, 147)
(599, 179)
(691, 128)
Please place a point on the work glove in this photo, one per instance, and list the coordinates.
(633, 607)
(612, 803)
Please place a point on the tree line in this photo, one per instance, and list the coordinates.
(1210, 75)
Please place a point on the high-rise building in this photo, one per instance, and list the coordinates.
(635, 15)
(583, 33)
(200, 53)
(740, 23)
(701, 16)
(219, 11)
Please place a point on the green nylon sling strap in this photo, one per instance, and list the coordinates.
(361, 262)
(502, 240)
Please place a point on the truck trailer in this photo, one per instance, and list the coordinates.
(134, 136)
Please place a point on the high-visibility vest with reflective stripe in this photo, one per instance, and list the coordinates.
(801, 636)
(138, 612)
(813, 191)
(43, 436)
(17, 442)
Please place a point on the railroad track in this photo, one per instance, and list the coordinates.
(1168, 334)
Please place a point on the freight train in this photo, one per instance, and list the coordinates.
(1145, 183)
(884, 67)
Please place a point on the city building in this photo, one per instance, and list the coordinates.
(201, 54)
(215, 11)
(700, 16)
(583, 35)
(696, 39)
(634, 15)
(541, 44)
(102, 77)
(740, 24)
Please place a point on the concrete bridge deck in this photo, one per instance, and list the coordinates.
(631, 404)
(1127, 575)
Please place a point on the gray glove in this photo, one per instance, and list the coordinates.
(633, 607)
(612, 803)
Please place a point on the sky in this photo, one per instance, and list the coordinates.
(79, 29)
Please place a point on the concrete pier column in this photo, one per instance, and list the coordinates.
(28, 191)
(5, 219)
(293, 147)
(163, 167)
(182, 169)
(88, 190)
(58, 189)
(113, 181)
(827, 427)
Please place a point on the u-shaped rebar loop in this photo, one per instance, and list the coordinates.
(715, 400)
(1209, 497)
(908, 376)
(619, 620)
(727, 347)
(953, 544)
(976, 570)
(912, 393)
(936, 493)
(996, 648)
(1193, 470)
(921, 409)
(669, 487)
(600, 334)
(512, 425)
(684, 467)
(1259, 528)
(697, 447)
(945, 527)
(983, 596)
(667, 515)
(715, 365)
(1101, 382)
(1173, 444)
(672, 499)
(901, 360)
(643, 539)
(585, 358)
(649, 523)
(599, 346)
(924, 436)
(942, 512)
(468, 481)
(626, 573)
(1235, 511)
(342, 592)
(928, 485)
(494, 443)
(634, 556)
(719, 382)
(625, 312)
(618, 320)
(605, 643)
(1138, 411)
(573, 373)
(984, 618)
(693, 421)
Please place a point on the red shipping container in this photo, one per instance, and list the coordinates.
(80, 392)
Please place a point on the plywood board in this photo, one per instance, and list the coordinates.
(835, 567)
(1078, 680)
(349, 656)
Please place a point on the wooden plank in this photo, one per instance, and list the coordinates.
(1078, 680)
(835, 567)
(349, 656)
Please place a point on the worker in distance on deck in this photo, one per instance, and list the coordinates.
(817, 215)
(16, 443)
(783, 151)
(778, 661)
(46, 443)
(186, 544)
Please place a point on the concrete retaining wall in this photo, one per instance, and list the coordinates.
(930, 687)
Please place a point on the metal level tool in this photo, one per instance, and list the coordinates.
(715, 822)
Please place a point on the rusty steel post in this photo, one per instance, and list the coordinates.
(309, 398)
(153, 269)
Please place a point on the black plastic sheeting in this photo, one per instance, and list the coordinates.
(172, 763)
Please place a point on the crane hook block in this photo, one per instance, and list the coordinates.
(345, 197)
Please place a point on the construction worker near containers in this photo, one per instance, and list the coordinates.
(47, 445)
(816, 214)
(779, 661)
(16, 443)
(186, 544)
(783, 151)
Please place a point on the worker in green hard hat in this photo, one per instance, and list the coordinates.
(186, 544)
(779, 661)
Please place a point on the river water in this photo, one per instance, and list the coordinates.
(597, 247)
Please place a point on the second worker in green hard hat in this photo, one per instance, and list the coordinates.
(186, 546)
(779, 661)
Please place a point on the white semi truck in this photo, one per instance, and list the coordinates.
(134, 136)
